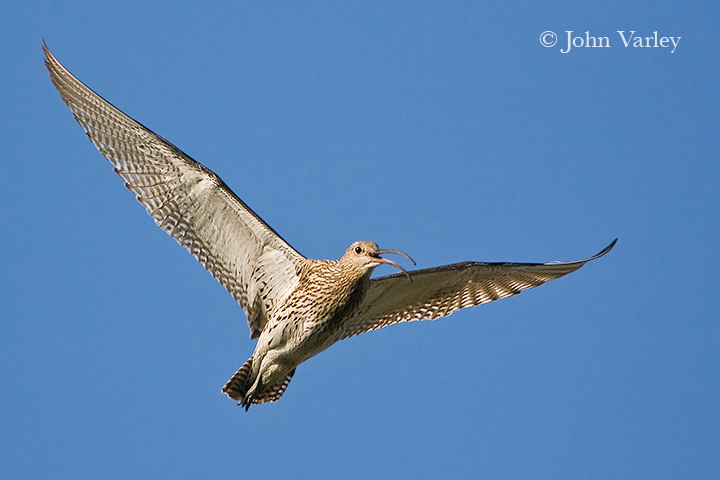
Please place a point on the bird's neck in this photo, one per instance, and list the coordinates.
(340, 287)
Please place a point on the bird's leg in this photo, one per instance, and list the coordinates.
(251, 394)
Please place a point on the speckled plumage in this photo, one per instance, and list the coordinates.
(307, 322)
(296, 307)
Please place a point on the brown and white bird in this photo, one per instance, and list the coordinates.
(296, 307)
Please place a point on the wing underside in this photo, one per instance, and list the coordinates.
(188, 201)
(437, 292)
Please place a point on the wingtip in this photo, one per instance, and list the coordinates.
(605, 250)
(45, 49)
(612, 244)
(49, 57)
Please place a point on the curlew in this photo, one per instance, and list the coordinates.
(296, 307)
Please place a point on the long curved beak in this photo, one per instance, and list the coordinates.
(376, 254)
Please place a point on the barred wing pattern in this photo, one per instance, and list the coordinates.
(437, 292)
(189, 202)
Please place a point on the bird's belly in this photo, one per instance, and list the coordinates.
(306, 344)
(307, 331)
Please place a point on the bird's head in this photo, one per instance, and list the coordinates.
(366, 256)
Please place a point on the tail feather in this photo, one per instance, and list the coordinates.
(237, 387)
(274, 392)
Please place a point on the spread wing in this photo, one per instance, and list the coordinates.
(188, 201)
(437, 292)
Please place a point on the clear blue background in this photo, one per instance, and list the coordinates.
(446, 131)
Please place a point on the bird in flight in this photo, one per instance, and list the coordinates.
(295, 306)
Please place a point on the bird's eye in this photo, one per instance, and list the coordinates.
(358, 250)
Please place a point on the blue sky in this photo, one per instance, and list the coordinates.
(448, 132)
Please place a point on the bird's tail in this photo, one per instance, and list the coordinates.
(237, 387)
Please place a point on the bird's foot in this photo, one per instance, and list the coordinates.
(250, 395)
